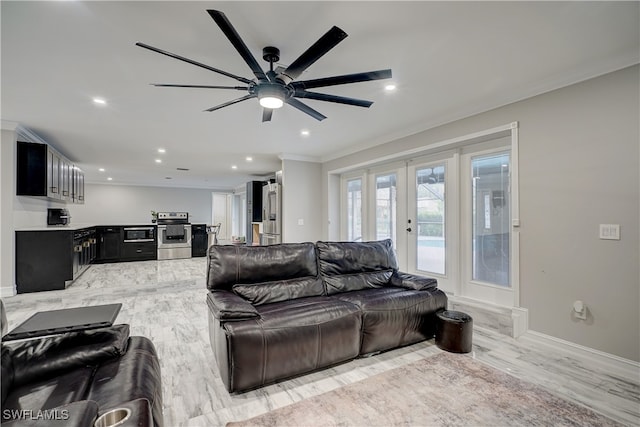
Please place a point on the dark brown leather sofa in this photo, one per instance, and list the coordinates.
(283, 310)
(71, 379)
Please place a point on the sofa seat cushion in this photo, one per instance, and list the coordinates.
(65, 388)
(393, 317)
(291, 338)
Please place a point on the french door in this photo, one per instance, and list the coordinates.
(448, 214)
(432, 215)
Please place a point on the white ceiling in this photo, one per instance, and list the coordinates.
(449, 60)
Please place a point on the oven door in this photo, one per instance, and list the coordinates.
(173, 238)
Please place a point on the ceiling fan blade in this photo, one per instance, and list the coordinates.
(305, 109)
(332, 98)
(327, 42)
(266, 114)
(201, 86)
(237, 42)
(341, 80)
(191, 61)
(235, 101)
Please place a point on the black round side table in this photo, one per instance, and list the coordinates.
(454, 330)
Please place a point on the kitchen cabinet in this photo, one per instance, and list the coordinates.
(143, 251)
(49, 260)
(109, 243)
(199, 240)
(44, 172)
(114, 247)
(254, 206)
(77, 193)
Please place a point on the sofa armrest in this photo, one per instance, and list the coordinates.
(46, 357)
(227, 306)
(412, 281)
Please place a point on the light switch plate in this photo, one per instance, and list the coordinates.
(610, 231)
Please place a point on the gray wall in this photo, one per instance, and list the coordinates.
(7, 192)
(301, 200)
(579, 167)
(120, 204)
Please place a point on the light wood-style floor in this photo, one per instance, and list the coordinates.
(165, 301)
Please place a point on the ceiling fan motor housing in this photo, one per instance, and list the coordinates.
(271, 54)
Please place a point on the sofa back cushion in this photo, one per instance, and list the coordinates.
(351, 266)
(229, 265)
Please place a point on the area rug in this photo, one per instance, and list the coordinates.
(443, 390)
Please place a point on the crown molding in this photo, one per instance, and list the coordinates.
(299, 158)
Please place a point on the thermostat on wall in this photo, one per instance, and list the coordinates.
(610, 231)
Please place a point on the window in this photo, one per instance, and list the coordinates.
(386, 202)
(354, 210)
(490, 219)
(430, 218)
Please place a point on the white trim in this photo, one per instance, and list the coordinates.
(299, 158)
(472, 138)
(29, 135)
(7, 291)
(520, 317)
(611, 363)
(8, 125)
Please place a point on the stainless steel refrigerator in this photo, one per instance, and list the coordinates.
(271, 214)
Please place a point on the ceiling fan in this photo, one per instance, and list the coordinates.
(277, 87)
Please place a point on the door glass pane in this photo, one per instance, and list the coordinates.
(491, 219)
(354, 210)
(386, 207)
(430, 215)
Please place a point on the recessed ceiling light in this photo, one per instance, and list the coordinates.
(304, 132)
(101, 170)
(234, 167)
(109, 179)
(162, 150)
(99, 101)
(390, 87)
(158, 161)
(249, 159)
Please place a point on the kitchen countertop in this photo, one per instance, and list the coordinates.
(78, 226)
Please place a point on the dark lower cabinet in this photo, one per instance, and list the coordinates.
(109, 243)
(113, 248)
(139, 251)
(199, 240)
(49, 260)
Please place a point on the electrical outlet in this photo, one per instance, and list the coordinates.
(610, 231)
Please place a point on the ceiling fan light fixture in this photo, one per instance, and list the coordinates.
(271, 102)
(271, 95)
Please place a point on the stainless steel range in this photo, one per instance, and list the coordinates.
(174, 235)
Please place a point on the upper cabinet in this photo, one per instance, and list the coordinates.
(42, 171)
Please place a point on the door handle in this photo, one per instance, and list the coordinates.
(409, 229)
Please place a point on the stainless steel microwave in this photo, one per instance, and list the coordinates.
(139, 234)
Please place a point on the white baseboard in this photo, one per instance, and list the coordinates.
(520, 317)
(625, 368)
(7, 291)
